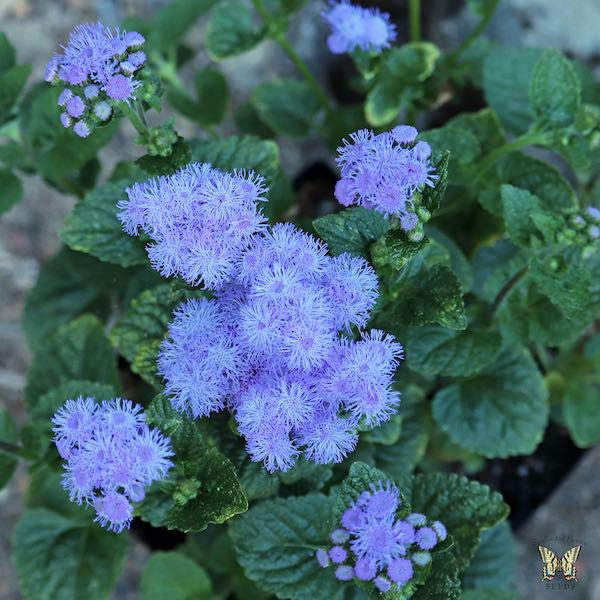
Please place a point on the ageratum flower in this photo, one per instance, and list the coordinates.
(111, 456)
(97, 65)
(357, 28)
(382, 172)
(200, 221)
(274, 347)
(375, 545)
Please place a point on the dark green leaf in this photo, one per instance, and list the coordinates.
(231, 30)
(212, 94)
(92, 227)
(457, 260)
(443, 582)
(288, 106)
(78, 350)
(495, 561)
(435, 350)
(233, 152)
(175, 576)
(465, 507)
(580, 404)
(64, 557)
(555, 91)
(352, 230)
(12, 82)
(165, 165)
(500, 412)
(395, 250)
(276, 543)
(507, 74)
(8, 55)
(12, 190)
(8, 433)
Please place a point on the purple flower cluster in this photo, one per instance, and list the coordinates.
(374, 545)
(383, 172)
(354, 27)
(274, 347)
(111, 455)
(98, 66)
(200, 220)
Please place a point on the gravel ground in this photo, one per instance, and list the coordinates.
(28, 236)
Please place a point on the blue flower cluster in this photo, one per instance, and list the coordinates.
(354, 27)
(200, 219)
(111, 456)
(273, 347)
(374, 545)
(98, 66)
(383, 172)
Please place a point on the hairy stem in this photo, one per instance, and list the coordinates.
(134, 118)
(414, 12)
(285, 45)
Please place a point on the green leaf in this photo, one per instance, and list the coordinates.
(64, 557)
(580, 407)
(202, 487)
(144, 363)
(555, 92)
(501, 412)
(166, 165)
(424, 295)
(58, 153)
(457, 260)
(12, 82)
(231, 30)
(465, 507)
(288, 106)
(495, 561)
(383, 104)
(233, 152)
(276, 542)
(171, 22)
(431, 197)
(482, 8)
(78, 350)
(8, 433)
(212, 94)
(175, 576)
(435, 350)
(92, 227)
(443, 582)
(12, 190)
(352, 230)
(72, 283)
(463, 145)
(395, 250)
(507, 74)
(8, 55)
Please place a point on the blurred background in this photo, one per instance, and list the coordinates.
(570, 513)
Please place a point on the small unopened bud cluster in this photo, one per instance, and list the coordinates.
(373, 545)
(583, 230)
(98, 67)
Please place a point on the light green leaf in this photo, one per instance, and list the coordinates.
(175, 576)
(435, 350)
(352, 230)
(8, 433)
(234, 152)
(288, 106)
(231, 30)
(555, 92)
(78, 350)
(12, 190)
(495, 560)
(507, 74)
(65, 558)
(276, 542)
(501, 412)
(92, 227)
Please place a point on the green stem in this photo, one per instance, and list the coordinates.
(527, 139)
(414, 13)
(134, 118)
(476, 32)
(280, 38)
(10, 448)
(508, 286)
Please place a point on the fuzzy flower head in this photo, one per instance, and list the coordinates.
(383, 172)
(356, 28)
(111, 456)
(97, 65)
(272, 345)
(375, 545)
(200, 220)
